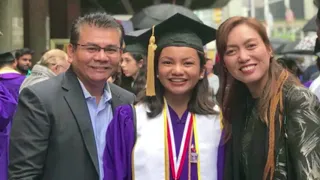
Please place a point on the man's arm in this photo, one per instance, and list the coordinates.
(29, 138)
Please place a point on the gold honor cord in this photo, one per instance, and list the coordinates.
(166, 151)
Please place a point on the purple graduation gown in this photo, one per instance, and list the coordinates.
(120, 143)
(9, 92)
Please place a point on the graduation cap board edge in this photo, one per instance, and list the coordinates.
(133, 44)
(181, 30)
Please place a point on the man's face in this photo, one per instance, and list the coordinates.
(92, 64)
(24, 63)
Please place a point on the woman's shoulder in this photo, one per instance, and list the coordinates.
(297, 95)
(213, 120)
(300, 100)
(126, 115)
(141, 108)
(123, 111)
(215, 116)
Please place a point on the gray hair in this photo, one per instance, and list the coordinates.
(53, 57)
(97, 19)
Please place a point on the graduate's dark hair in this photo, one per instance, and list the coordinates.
(201, 99)
(140, 81)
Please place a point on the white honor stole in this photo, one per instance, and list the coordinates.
(149, 152)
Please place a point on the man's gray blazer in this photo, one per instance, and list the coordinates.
(52, 136)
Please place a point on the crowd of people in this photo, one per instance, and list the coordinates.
(151, 105)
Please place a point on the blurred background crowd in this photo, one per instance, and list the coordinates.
(36, 44)
(41, 25)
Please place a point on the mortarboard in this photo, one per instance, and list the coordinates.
(6, 57)
(133, 44)
(178, 30)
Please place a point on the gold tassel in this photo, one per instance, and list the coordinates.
(150, 90)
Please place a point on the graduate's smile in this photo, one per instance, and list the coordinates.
(178, 81)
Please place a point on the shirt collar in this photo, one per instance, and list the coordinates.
(106, 96)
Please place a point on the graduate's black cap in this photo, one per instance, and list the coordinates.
(133, 44)
(178, 30)
(6, 57)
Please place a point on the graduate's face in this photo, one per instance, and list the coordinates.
(247, 57)
(179, 70)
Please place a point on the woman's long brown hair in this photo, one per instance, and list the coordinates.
(232, 93)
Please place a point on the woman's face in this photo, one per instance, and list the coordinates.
(179, 70)
(247, 58)
(129, 65)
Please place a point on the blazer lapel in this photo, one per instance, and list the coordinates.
(116, 98)
(75, 99)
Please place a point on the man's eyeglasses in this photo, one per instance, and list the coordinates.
(95, 49)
